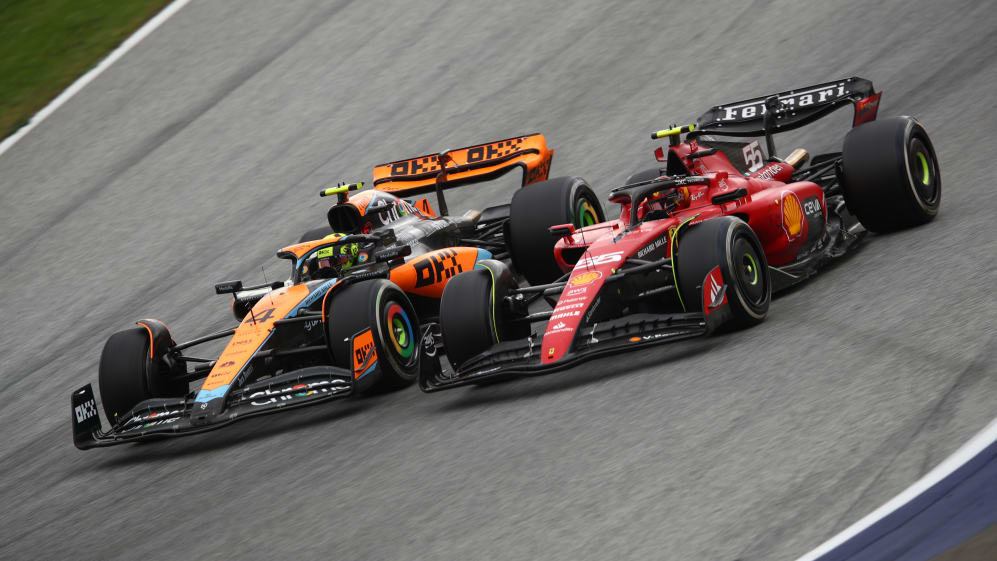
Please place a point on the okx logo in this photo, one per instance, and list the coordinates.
(85, 410)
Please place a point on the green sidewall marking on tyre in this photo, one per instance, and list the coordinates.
(671, 251)
(925, 173)
(494, 325)
(585, 214)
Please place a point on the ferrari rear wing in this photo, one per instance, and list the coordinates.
(461, 166)
(789, 110)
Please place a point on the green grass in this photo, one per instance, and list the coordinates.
(45, 45)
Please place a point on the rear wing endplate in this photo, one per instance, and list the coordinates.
(462, 166)
(790, 110)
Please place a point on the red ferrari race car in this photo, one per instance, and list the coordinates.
(701, 242)
(355, 311)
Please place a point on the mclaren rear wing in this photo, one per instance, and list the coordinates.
(461, 166)
(789, 110)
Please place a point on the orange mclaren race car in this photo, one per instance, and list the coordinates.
(360, 306)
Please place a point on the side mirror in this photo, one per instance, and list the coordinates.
(228, 287)
(561, 230)
(392, 253)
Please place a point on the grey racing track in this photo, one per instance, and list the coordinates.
(200, 153)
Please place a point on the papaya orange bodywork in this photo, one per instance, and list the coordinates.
(428, 274)
(419, 174)
(252, 333)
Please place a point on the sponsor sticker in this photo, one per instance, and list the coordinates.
(811, 207)
(660, 241)
(585, 278)
(152, 424)
(566, 315)
(85, 410)
(364, 354)
(756, 109)
(770, 172)
(650, 337)
(792, 215)
(713, 289)
(156, 415)
(559, 327)
(291, 392)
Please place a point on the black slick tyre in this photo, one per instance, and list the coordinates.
(472, 317)
(891, 178)
(537, 207)
(315, 234)
(729, 243)
(382, 309)
(128, 374)
(644, 175)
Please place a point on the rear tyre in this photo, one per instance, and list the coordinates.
(537, 207)
(644, 175)
(128, 374)
(891, 178)
(472, 317)
(728, 243)
(315, 234)
(381, 307)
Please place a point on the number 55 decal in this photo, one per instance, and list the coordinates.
(753, 158)
(600, 259)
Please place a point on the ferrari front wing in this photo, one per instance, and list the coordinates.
(523, 357)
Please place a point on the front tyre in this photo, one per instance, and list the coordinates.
(472, 315)
(891, 178)
(537, 207)
(729, 243)
(376, 316)
(130, 373)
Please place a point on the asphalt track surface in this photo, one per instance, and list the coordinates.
(199, 153)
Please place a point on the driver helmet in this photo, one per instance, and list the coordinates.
(340, 257)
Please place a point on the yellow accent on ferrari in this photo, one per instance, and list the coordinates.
(673, 131)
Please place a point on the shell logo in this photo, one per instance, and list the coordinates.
(792, 215)
(585, 278)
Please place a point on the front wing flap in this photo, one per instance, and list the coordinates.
(522, 358)
(157, 418)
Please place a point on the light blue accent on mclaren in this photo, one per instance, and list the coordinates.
(483, 254)
(315, 294)
(368, 371)
(208, 395)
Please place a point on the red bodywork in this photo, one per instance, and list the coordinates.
(789, 219)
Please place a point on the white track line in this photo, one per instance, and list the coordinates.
(967, 452)
(85, 79)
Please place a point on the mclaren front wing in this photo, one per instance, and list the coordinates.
(157, 418)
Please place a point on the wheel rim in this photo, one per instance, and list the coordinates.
(400, 332)
(749, 276)
(585, 213)
(923, 171)
(749, 268)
